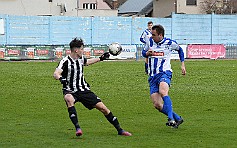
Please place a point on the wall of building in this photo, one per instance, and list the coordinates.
(163, 8)
(36, 7)
(187, 9)
(54, 8)
(102, 13)
(100, 4)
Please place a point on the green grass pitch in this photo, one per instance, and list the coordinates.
(33, 112)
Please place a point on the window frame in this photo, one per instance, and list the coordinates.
(191, 2)
(89, 6)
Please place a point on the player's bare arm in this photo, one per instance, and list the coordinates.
(57, 73)
(101, 58)
(92, 61)
(183, 68)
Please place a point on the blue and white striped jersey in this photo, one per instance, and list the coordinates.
(145, 36)
(160, 60)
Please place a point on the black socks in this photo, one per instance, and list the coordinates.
(73, 116)
(114, 121)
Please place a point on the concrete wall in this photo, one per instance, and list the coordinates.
(185, 28)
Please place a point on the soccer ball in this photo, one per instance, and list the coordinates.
(115, 49)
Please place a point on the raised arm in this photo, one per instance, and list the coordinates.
(95, 60)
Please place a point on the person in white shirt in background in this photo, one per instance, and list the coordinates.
(146, 34)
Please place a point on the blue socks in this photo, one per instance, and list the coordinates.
(167, 107)
(176, 116)
(168, 110)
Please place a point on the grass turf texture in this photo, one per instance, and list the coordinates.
(33, 112)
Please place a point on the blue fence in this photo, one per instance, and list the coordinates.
(54, 30)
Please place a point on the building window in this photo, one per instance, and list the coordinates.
(92, 5)
(89, 6)
(85, 5)
(50, 0)
(191, 2)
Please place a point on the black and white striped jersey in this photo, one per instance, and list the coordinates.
(73, 72)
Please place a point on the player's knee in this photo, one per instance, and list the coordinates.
(164, 89)
(101, 107)
(163, 92)
(158, 106)
(69, 99)
(105, 110)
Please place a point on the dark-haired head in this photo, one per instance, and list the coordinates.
(159, 29)
(150, 22)
(76, 43)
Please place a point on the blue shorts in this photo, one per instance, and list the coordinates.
(154, 81)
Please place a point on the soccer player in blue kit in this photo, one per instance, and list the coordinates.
(158, 51)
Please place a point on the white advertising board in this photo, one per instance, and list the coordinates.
(175, 54)
(128, 52)
(1, 26)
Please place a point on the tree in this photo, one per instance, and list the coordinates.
(219, 6)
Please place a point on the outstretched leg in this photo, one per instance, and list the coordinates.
(111, 118)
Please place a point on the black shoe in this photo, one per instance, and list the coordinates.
(180, 121)
(170, 123)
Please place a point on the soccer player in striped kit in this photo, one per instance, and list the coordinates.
(146, 34)
(158, 51)
(75, 89)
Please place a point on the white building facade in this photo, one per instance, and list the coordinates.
(56, 8)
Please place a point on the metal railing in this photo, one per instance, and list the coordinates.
(231, 51)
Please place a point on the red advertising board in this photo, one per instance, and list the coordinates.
(212, 51)
(13, 52)
(42, 52)
(98, 52)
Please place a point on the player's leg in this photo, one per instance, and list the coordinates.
(164, 85)
(111, 118)
(157, 101)
(160, 84)
(158, 104)
(159, 92)
(167, 107)
(69, 99)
